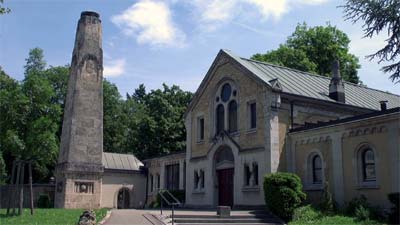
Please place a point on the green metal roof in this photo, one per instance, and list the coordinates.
(118, 161)
(314, 86)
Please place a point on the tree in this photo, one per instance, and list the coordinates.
(289, 57)
(379, 16)
(35, 61)
(313, 49)
(3, 10)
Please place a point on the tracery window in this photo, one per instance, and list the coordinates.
(233, 116)
(226, 109)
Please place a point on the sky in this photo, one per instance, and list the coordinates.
(172, 41)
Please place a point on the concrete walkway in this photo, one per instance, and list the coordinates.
(128, 216)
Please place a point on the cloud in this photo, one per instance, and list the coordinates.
(114, 68)
(150, 22)
(214, 13)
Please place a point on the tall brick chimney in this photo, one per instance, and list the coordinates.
(336, 87)
(79, 169)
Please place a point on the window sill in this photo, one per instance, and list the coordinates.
(234, 134)
(368, 186)
(251, 189)
(200, 142)
(251, 131)
(314, 187)
(201, 191)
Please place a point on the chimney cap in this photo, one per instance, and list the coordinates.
(90, 13)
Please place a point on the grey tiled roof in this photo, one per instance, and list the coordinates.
(118, 161)
(314, 86)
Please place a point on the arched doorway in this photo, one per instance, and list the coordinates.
(123, 198)
(224, 166)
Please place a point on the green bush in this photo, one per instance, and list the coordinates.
(394, 215)
(44, 201)
(306, 214)
(283, 193)
(355, 203)
(327, 205)
(361, 213)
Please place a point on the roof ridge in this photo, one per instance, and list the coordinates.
(316, 75)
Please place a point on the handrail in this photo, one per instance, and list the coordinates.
(175, 202)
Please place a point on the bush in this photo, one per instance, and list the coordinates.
(394, 215)
(283, 193)
(355, 203)
(306, 214)
(361, 213)
(327, 205)
(44, 201)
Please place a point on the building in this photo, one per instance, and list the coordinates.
(250, 118)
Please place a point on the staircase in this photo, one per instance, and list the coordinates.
(247, 218)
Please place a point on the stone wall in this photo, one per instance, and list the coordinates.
(38, 189)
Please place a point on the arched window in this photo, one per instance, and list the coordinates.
(317, 169)
(220, 118)
(232, 116)
(368, 165)
(226, 92)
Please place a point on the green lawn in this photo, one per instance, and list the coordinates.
(309, 215)
(47, 217)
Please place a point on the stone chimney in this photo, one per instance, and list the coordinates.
(336, 87)
(383, 105)
(79, 168)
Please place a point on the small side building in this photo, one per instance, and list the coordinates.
(123, 181)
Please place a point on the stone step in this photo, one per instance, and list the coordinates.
(225, 220)
(262, 216)
(229, 223)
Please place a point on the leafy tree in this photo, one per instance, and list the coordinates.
(3, 10)
(313, 49)
(35, 61)
(289, 57)
(379, 16)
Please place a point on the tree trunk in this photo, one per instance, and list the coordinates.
(10, 189)
(21, 191)
(15, 192)
(30, 186)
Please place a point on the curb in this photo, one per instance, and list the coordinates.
(104, 220)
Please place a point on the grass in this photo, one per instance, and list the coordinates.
(310, 215)
(47, 217)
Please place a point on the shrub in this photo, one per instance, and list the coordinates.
(355, 203)
(327, 205)
(394, 215)
(44, 201)
(306, 214)
(362, 213)
(283, 193)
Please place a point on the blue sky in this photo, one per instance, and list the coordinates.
(172, 41)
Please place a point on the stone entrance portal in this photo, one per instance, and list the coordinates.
(123, 199)
(224, 166)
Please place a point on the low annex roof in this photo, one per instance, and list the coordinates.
(118, 161)
(301, 83)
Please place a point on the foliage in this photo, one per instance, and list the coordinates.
(313, 49)
(362, 213)
(379, 16)
(44, 201)
(327, 204)
(146, 124)
(35, 61)
(3, 173)
(4, 10)
(309, 215)
(355, 203)
(283, 193)
(48, 217)
(360, 209)
(394, 215)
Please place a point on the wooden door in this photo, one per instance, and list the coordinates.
(225, 187)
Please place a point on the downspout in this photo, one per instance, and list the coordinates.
(291, 114)
(146, 171)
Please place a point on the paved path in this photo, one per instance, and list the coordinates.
(127, 216)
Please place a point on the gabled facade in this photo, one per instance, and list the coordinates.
(239, 118)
